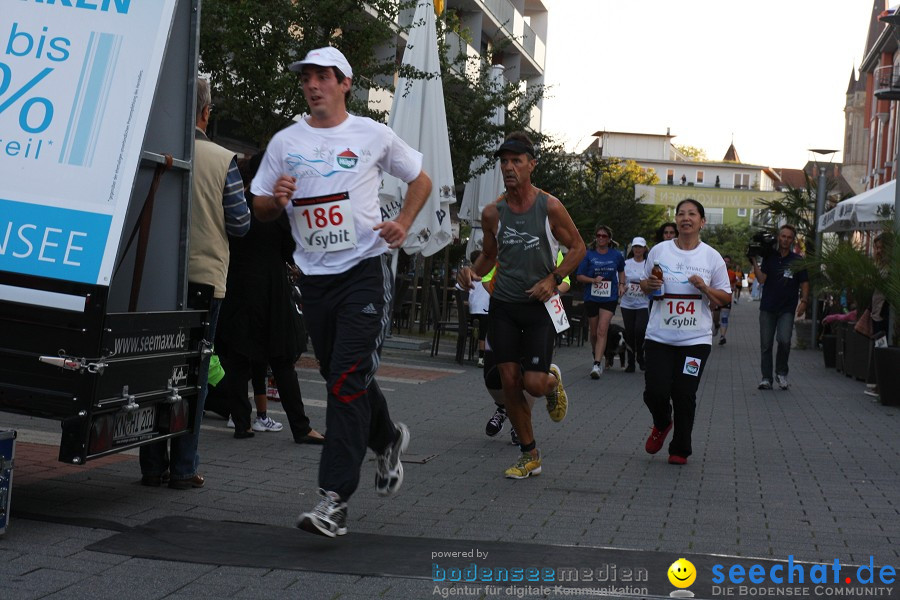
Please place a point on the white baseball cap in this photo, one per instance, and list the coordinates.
(324, 57)
(639, 241)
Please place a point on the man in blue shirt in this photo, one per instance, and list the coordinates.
(781, 285)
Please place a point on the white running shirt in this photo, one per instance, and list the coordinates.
(338, 172)
(634, 298)
(682, 317)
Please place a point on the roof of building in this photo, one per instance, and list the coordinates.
(855, 85)
(731, 154)
(602, 132)
(794, 178)
(875, 26)
(798, 178)
(880, 39)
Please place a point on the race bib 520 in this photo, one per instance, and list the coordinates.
(602, 289)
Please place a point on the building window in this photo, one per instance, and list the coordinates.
(714, 216)
(741, 181)
(670, 176)
(699, 177)
(742, 212)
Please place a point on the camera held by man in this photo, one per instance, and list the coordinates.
(762, 244)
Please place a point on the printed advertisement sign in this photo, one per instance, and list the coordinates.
(77, 79)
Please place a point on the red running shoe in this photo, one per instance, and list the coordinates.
(674, 459)
(656, 439)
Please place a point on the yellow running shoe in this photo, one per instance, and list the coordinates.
(557, 401)
(525, 466)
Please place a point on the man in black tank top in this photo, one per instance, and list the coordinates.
(521, 233)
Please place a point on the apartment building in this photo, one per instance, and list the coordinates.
(512, 32)
(728, 189)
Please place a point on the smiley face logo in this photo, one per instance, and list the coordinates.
(682, 573)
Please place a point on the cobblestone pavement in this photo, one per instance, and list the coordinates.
(809, 473)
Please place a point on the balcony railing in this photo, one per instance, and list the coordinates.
(887, 82)
(514, 23)
(503, 11)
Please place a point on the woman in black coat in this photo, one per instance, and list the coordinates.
(259, 323)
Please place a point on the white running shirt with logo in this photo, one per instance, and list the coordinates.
(338, 172)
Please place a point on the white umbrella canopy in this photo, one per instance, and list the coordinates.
(418, 116)
(486, 187)
(861, 212)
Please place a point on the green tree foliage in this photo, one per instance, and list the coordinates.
(731, 240)
(555, 169)
(598, 190)
(845, 266)
(471, 101)
(797, 207)
(247, 45)
(691, 152)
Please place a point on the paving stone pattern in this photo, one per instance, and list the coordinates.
(810, 472)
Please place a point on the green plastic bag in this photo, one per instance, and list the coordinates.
(216, 372)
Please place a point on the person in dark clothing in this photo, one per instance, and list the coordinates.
(782, 285)
(260, 324)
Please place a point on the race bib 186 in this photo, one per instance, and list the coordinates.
(325, 223)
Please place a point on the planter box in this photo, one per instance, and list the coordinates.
(857, 354)
(840, 330)
(802, 334)
(887, 373)
(829, 350)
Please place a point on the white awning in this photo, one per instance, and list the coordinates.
(864, 211)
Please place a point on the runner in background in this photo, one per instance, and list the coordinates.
(479, 302)
(602, 271)
(734, 278)
(635, 304)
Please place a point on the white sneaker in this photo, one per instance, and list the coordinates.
(782, 381)
(267, 424)
(230, 423)
(388, 468)
(328, 518)
(597, 370)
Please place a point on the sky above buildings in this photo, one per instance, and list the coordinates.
(771, 73)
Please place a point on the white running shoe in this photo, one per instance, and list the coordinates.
(388, 468)
(328, 518)
(267, 424)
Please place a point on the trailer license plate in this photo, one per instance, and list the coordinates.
(134, 423)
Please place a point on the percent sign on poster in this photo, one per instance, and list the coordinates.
(27, 118)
